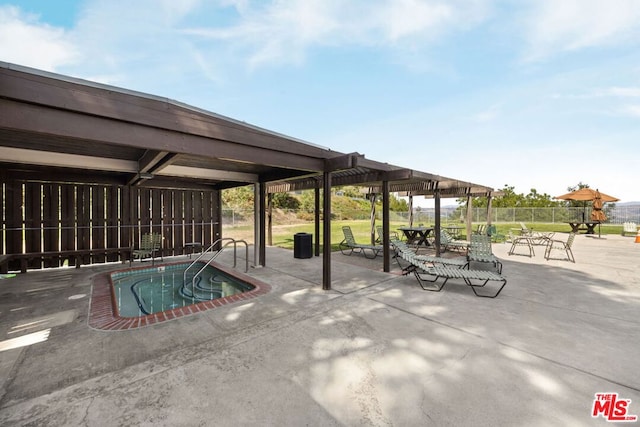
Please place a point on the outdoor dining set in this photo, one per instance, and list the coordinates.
(528, 238)
(433, 272)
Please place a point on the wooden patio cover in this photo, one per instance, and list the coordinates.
(59, 128)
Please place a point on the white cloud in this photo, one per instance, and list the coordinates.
(567, 25)
(610, 92)
(633, 92)
(105, 41)
(488, 115)
(632, 110)
(25, 41)
(283, 31)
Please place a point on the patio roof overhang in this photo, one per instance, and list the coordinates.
(58, 127)
(405, 182)
(62, 129)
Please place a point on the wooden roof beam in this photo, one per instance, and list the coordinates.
(347, 161)
(65, 124)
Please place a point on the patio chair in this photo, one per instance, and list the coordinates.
(537, 237)
(349, 245)
(150, 243)
(562, 246)
(629, 228)
(519, 241)
(480, 251)
(447, 242)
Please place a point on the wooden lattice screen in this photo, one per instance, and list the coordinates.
(50, 217)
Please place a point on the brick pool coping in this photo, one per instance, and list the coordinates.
(102, 311)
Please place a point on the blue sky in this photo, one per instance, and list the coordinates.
(539, 94)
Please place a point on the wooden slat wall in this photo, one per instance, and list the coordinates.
(125, 217)
(187, 209)
(83, 215)
(68, 217)
(33, 219)
(197, 217)
(112, 215)
(51, 221)
(13, 219)
(207, 226)
(178, 221)
(144, 195)
(98, 222)
(156, 215)
(61, 216)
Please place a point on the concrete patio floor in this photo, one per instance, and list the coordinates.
(375, 350)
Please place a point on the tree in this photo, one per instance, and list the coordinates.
(397, 205)
(576, 203)
(285, 201)
(510, 199)
(240, 198)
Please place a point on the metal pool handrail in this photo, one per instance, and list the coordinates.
(231, 240)
(204, 252)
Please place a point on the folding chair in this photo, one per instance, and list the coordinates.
(149, 245)
(519, 241)
(562, 246)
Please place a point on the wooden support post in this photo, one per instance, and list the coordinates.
(316, 192)
(385, 227)
(326, 238)
(437, 225)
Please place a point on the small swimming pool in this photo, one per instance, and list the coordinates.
(132, 298)
(162, 288)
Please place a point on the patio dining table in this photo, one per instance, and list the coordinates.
(417, 235)
(589, 226)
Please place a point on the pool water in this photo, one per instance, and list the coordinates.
(153, 290)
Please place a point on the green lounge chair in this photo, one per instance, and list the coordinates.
(447, 242)
(392, 235)
(492, 232)
(410, 258)
(470, 278)
(480, 251)
(349, 245)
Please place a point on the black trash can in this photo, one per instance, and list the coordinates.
(302, 245)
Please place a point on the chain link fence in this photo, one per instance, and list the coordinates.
(615, 215)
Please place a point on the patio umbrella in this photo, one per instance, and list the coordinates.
(587, 194)
(596, 213)
(590, 195)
